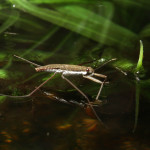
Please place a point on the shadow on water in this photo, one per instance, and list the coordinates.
(43, 122)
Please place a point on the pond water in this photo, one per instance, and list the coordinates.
(57, 117)
(44, 121)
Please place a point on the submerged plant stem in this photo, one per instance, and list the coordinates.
(137, 97)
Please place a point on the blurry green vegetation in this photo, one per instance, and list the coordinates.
(3, 74)
(2, 99)
(82, 21)
(61, 1)
(10, 21)
(97, 20)
(73, 31)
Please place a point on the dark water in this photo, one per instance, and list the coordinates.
(43, 122)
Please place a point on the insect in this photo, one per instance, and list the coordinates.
(68, 70)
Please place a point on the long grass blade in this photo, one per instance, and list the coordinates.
(82, 21)
(140, 61)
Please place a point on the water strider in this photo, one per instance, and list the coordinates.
(68, 70)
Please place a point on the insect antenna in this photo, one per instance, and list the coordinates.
(106, 63)
(30, 62)
(123, 72)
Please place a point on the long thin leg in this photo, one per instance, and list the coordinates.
(73, 85)
(97, 81)
(100, 89)
(100, 75)
(30, 62)
(93, 79)
(32, 91)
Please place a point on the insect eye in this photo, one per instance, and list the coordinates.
(88, 71)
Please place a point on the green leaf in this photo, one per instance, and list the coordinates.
(10, 21)
(82, 21)
(139, 64)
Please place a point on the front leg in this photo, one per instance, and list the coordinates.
(92, 79)
(97, 81)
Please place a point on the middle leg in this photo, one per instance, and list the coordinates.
(73, 85)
